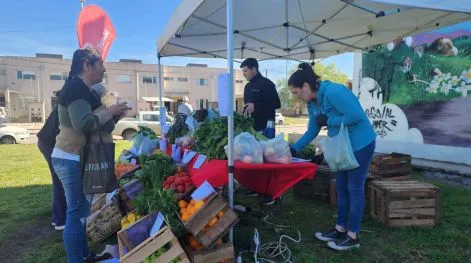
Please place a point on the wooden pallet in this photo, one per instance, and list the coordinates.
(104, 222)
(136, 253)
(215, 255)
(405, 203)
(333, 190)
(197, 222)
(317, 188)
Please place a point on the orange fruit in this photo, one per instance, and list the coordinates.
(193, 202)
(199, 204)
(185, 217)
(182, 204)
(220, 214)
(191, 210)
(182, 211)
(212, 222)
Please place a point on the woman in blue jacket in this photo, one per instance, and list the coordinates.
(329, 104)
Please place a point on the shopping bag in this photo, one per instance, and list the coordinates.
(338, 151)
(97, 162)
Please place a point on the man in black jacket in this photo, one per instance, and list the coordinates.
(260, 95)
(261, 101)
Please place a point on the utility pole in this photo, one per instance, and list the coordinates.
(81, 3)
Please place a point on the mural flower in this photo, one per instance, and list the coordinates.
(433, 88)
(446, 87)
(466, 75)
(463, 89)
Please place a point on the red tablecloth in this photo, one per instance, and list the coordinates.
(271, 179)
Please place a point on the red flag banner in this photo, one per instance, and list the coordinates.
(94, 29)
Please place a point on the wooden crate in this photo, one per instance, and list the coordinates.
(391, 165)
(405, 203)
(333, 190)
(215, 255)
(197, 222)
(136, 253)
(104, 222)
(128, 192)
(317, 188)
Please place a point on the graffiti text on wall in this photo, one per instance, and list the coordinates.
(383, 120)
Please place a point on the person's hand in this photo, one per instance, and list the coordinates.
(322, 120)
(118, 109)
(249, 108)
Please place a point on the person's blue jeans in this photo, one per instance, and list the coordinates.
(78, 209)
(351, 190)
(59, 205)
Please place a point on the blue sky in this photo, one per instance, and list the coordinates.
(28, 27)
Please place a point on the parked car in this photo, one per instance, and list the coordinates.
(13, 134)
(127, 127)
(279, 118)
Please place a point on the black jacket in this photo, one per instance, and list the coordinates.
(262, 93)
(50, 129)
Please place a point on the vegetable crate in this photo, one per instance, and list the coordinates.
(317, 188)
(98, 201)
(129, 192)
(333, 190)
(405, 203)
(104, 222)
(197, 223)
(394, 166)
(215, 255)
(135, 245)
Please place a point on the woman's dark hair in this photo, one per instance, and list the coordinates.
(90, 55)
(305, 73)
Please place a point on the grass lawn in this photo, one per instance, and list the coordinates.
(25, 200)
(295, 121)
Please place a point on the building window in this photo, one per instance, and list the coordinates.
(183, 79)
(25, 74)
(239, 81)
(149, 80)
(168, 78)
(58, 76)
(202, 103)
(124, 79)
(202, 82)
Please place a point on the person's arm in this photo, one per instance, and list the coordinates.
(310, 134)
(343, 100)
(84, 120)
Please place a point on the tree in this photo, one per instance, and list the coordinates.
(326, 72)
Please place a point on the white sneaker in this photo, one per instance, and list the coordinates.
(59, 228)
(53, 224)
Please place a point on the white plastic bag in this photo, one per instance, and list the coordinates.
(247, 149)
(338, 151)
(277, 150)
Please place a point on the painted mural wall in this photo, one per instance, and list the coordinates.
(418, 88)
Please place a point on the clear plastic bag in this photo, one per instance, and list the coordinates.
(338, 151)
(247, 149)
(277, 150)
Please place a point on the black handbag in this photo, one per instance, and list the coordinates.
(97, 163)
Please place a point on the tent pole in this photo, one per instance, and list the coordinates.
(230, 79)
(161, 105)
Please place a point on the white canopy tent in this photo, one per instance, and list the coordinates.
(296, 30)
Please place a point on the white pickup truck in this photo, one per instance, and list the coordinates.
(128, 126)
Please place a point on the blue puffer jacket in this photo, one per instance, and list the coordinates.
(339, 104)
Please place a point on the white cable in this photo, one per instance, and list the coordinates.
(273, 250)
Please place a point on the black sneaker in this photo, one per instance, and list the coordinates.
(251, 193)
(97, 258)
(268, 200)
(329, 235)
(344, 243)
